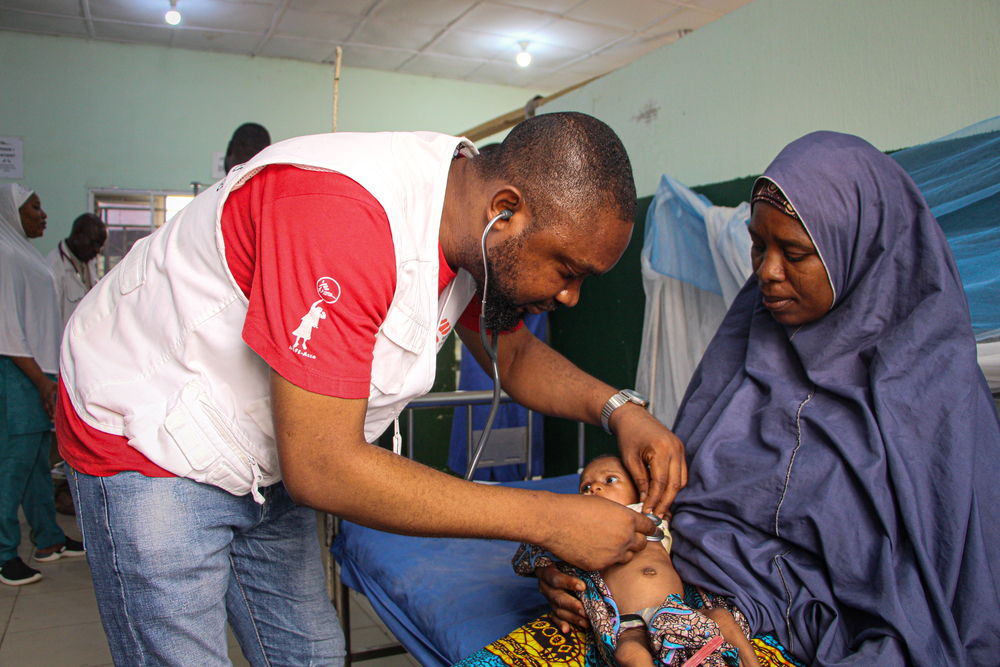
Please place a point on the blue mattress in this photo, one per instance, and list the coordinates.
(442, 598)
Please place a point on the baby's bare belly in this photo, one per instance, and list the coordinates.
(644, 581)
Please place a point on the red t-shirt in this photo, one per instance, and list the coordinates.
(284, 231)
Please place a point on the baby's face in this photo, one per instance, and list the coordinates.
(606, 477)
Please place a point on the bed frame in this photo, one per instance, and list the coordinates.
(507, 445)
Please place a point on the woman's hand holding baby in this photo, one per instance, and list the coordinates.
(558, 587)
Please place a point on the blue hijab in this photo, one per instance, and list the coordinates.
(845, 475)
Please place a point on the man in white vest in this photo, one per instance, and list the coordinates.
(234, 368)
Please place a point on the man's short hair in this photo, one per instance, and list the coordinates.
(248, 140)
(84, 222)
(566, 164)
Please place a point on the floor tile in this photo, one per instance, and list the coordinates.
(65, 574)
(81, 645)
(6, 609)
(53, 609)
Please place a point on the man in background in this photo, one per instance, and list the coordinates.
(248, 140)
(74, 261)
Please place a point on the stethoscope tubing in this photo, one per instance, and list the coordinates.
(491, 347)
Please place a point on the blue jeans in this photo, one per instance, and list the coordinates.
(171, 559)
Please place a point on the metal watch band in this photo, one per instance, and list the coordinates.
(616, 401)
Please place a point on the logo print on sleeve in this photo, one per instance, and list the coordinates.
(328, 291)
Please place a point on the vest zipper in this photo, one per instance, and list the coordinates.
(397, 438)
(258, 477)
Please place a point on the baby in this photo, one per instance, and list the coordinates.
(642, 609)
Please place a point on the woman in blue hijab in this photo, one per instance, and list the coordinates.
(843, 447)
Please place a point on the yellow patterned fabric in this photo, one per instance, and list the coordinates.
(770, 654)
(540, 643)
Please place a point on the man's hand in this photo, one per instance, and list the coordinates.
(47, 389)
(49, 393)
(593, 533)
(541, 379)
(652, 454)
(559, 588)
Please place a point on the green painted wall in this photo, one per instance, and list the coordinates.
(722, 101)
(99, 114)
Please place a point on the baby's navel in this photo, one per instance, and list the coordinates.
(649, 571)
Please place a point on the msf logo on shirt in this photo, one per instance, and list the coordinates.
(328, 291)
(444, 328)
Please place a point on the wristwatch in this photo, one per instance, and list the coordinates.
(621, 398)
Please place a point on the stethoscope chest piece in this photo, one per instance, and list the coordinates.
(658, 536)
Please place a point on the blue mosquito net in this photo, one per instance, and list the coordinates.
(958, 174)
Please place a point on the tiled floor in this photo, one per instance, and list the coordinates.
(54, 622)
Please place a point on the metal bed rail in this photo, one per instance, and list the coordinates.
(336, 589)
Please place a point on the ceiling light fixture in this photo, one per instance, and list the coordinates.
(523, 58)
(173, 17)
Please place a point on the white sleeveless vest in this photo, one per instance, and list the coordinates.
(154, 352)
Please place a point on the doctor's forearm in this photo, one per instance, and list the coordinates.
(376, 488)
(538, 377)
(326, 464)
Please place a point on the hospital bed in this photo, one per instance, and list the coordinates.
(442, 598)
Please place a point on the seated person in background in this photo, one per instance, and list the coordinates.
(843, 448)
(641, 608)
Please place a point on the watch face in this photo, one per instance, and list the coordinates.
(636, 397)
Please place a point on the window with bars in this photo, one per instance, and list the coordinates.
(131, 215)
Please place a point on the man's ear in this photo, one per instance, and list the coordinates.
(508, 198)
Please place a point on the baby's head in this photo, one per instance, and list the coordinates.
(605, 476)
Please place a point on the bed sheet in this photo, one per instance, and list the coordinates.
(443, 598)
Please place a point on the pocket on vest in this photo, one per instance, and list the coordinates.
(132, 267)
(211, 443)
(398, 346)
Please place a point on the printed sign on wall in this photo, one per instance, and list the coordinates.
(11, 157)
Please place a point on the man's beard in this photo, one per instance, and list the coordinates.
(501, 312)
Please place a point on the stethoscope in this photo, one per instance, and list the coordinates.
(491, 347)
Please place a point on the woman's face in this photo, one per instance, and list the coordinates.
(32, 217)
(789, 271)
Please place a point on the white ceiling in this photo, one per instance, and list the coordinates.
(470, 40)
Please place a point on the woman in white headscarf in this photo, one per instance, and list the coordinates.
(30, 328)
